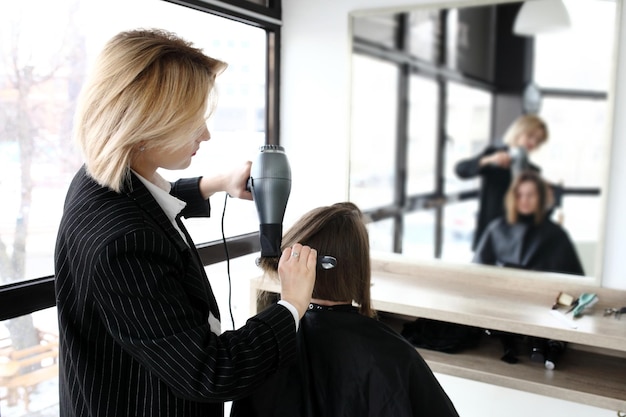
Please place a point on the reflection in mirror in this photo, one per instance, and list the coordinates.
(433, 86)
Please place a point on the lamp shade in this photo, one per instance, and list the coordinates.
(541, 16)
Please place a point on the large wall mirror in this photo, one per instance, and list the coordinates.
(432, 86)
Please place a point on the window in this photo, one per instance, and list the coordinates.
(424, 34)
(576, 149)
(419, 234)
(575, 107)
(381, 235)
(458, 228)
(29, 349)
(422, 140)
(382, 29)
(37, 99)
(587, 63)
(437, 121)
(468, 127)
(374, 108)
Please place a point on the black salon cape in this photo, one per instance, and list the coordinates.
(495, 182)
(543, 247)
(349, 365)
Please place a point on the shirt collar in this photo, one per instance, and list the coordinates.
(171, 205)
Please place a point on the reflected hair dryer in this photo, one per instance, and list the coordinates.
(519, 160)
(270, 185)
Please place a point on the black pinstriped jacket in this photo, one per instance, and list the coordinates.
(133, 305)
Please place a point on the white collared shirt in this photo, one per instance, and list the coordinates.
(171, 205)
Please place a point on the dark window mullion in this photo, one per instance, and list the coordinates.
(272, 102)
(402, 134)
(401, 168)
(26, 297)
(441, 133)
(239, 11)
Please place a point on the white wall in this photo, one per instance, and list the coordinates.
(315, 115)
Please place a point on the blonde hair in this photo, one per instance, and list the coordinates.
(148, 87)
(522, 124)
(510, 200)
(338, 230)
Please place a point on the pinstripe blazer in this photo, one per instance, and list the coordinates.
(133, 305)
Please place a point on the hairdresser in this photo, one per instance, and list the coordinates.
(494, 167)
(139, 324)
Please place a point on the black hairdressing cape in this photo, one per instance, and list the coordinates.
(539, 247)
(349, 365)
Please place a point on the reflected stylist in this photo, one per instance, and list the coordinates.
(495, 166)
(139, 324)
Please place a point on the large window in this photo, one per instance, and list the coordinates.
(46, 49)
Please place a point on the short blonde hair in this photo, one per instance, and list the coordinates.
(525, 123)
(148, 87)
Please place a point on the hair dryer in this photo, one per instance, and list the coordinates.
(270, 184)
(519, 160)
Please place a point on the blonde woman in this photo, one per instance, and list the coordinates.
(493, 165)
(139, 324)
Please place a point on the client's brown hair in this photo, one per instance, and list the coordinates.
(338, 231)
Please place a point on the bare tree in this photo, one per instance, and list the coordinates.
(26, 124)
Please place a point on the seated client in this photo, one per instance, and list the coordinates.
(525, 237)
(349, 363)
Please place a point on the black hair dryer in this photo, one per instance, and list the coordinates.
(270, 185)
(519, 160)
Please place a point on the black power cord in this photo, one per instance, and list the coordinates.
(230, 296)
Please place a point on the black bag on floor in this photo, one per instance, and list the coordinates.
(441, 335)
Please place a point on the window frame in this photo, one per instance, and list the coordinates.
(438, 71)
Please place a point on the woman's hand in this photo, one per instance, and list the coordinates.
(236, 181)
(296, 270)
(233, 182)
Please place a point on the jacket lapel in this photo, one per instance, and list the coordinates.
(195, 281)
(141, 195)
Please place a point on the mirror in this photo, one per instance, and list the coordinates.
(432, 86)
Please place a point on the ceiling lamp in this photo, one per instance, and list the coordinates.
(541, 16)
